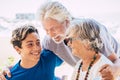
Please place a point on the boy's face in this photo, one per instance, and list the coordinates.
(30, 48)
(55, 29)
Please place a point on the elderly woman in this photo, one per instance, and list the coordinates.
(83, 36)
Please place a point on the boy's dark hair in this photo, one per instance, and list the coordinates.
(20, 33)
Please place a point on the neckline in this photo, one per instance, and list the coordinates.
(88, 70)
(27, 68)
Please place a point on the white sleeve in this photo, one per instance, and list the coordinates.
(109, 42)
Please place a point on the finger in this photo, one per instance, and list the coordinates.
(108, 78)
(103, 67)
(106, 75)
(107, 71)
(2, 77)
(4, 73)
(103, 73)
(8, 73)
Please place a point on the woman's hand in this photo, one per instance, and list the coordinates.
(109, 72)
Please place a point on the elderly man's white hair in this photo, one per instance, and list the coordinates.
(54, 10)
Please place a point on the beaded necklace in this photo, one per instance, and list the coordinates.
(88, 70)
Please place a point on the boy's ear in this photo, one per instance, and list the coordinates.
(17, 49)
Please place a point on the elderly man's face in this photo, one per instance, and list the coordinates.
(55, 29)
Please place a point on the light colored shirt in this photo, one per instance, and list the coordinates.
(94, 71)
(109, 42)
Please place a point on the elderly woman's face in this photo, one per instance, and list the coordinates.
(76, 45)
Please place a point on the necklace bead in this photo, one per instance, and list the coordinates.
(88, 70)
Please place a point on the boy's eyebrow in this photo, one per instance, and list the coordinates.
(32, 41)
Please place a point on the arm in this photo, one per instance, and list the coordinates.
(111, 50)
(48, 43)
(6, 71)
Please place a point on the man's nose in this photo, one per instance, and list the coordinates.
(51, 33)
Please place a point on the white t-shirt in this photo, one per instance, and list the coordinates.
(94, 71)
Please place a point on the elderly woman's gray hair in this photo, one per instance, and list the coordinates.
(54, 10)
(87, 30)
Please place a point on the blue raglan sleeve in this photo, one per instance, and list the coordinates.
(51, 57)
(58, 61)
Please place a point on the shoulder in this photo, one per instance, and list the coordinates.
(16, 66)
(47, 53)
(49, 57)
(103, 60)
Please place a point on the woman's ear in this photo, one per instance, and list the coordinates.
(17, 49)
(87, 45)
